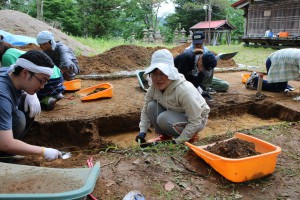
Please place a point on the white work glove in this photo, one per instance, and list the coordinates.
(297, 98)
(199, 89)
(51, 154)
(32, 104)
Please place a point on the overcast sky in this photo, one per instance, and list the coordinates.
(166, 8)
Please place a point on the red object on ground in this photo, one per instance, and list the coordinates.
(90, 164)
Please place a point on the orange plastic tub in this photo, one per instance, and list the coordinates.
(85, 94)
(283, 34)
(242, 169)
(245, 77)
(73, 85)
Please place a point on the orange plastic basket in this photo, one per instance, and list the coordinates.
(73, 85)
(242, 169)
(245, 77)
(85, 94)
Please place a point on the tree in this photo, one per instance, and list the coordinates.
(66, 12)
(39, 9)
(190, 12)
(137, 15)
(99, 16)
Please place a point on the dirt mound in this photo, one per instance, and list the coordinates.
(129, 58)
(19, 23)
(120, 58)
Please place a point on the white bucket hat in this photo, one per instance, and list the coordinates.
(163, 60)
(46, 36)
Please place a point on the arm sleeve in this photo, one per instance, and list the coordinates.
(65, 57)
(5, 113)
(145, 121)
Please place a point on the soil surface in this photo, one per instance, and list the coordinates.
(105, 130)
(234, 148)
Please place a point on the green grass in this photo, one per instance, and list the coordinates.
(249, 56)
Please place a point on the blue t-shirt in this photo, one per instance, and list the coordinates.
(9, 100)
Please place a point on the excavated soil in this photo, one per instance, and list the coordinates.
(234, 148)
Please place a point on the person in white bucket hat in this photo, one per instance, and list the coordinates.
(172, 104)
(19, 104)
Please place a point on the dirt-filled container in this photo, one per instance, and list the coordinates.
(242, 169)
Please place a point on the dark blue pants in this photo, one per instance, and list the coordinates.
(272, 87)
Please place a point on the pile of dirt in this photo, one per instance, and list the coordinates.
(19, 23)
(129, 58)
(234, 148)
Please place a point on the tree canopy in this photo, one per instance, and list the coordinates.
(102, 18)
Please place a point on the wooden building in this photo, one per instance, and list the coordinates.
(275, 15)
(215, 30)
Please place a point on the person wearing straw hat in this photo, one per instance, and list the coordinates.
(62, 56)
(19, 104)
(52, 91)
(172, 104)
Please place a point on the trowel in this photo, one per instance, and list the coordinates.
(226, 56)
(65, 155)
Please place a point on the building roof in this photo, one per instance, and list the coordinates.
(240, 4)
(212, 24)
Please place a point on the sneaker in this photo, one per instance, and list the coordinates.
(210, 91)
(48, 103)
(160, 138)
(59, 96)
(251, 80)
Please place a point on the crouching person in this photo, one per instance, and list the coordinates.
(19, 104)
(172, 104)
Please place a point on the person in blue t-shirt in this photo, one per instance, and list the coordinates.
(19, 104)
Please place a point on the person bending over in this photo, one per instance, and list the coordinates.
(52, 91)
(19, 104)
(62, 56)
(282, 66)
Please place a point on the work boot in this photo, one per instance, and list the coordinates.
(160, 138)
(48, 103)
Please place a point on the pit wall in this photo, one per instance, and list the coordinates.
(89, 133)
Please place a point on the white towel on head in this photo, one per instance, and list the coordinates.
(46, 36)
(26, 64)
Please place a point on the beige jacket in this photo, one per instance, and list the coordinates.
(180, 96)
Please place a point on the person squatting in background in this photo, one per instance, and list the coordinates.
(18, 102)
(196, 66)
(282, 66)
(62, 56)
(51, 92)
(172, 104)
(211, 84)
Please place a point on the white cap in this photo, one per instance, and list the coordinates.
(164, 61)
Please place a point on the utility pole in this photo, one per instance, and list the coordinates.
(208, 10)
(209, 20)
